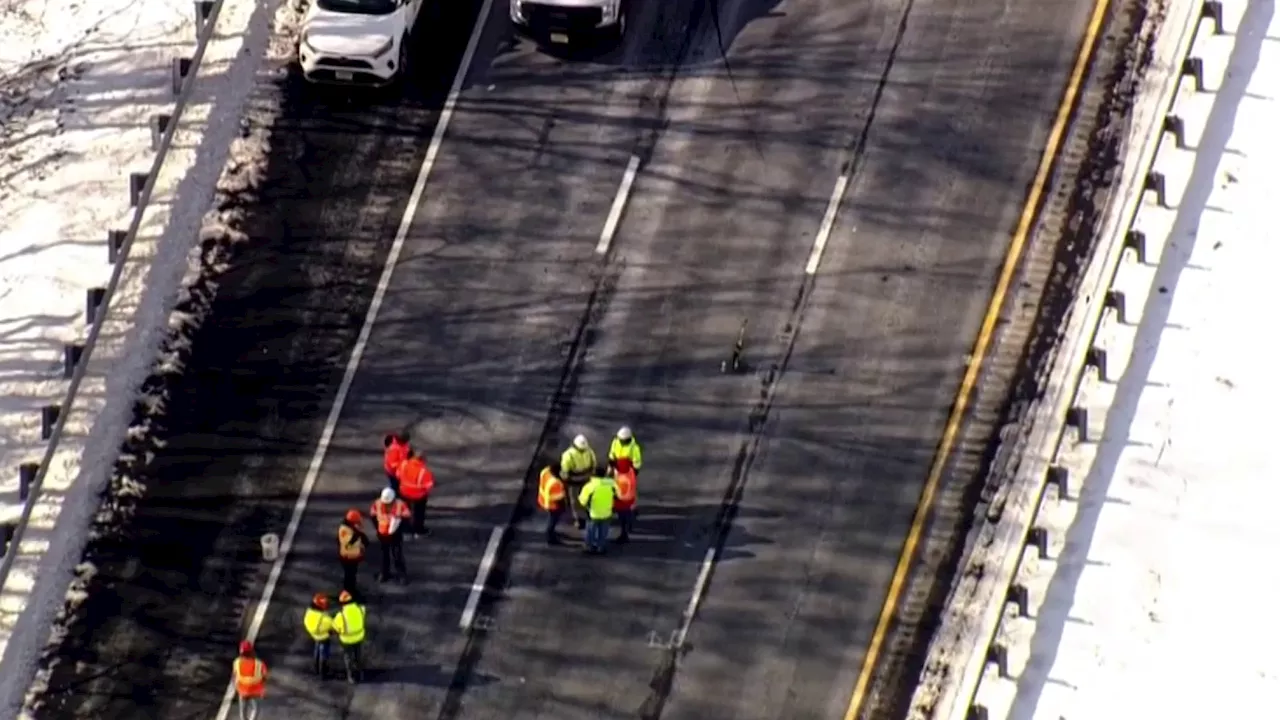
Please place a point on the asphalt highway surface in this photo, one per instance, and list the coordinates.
(774, 498)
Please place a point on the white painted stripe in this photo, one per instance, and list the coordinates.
(362, 341)
(482, 577)
(695, 599)
(619, 203)
(828, 223)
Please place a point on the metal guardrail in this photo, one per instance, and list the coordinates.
(966, 641)
(119, 244)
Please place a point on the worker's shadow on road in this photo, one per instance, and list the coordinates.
(424, 675)
(680, 533)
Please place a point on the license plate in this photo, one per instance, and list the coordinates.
(344, 76)
(559, 38)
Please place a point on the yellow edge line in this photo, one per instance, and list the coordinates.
(985, 334)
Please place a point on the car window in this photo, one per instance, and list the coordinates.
(359, 7)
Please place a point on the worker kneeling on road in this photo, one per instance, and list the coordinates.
(416, 483)
(319, 626)
(251, 681)
(551, 499)
(597, 497)
(576, 466)
(349, 624)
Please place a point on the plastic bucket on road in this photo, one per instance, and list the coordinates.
(270, 547)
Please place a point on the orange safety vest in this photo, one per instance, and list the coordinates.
(394, 456)
(383, 512)
(550, 490)
(350, 545)
(625, 496)
(416, 479)
(251, 677)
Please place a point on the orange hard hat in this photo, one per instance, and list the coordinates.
(246, 647)
(321, 601)
(354, 517)
(344, 597)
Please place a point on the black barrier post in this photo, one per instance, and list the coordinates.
(1212, 10)
(48, 419)
(1174, 125)
(1136, 240)
(1078, 418)
(71, 354)
(1018, 596)
(1060, 478)
(1096, 358)
(26, 476)
(1155, 183)
(181, 67)
(1194, 67)
(93, 301)
(159, 123)
(115, 242)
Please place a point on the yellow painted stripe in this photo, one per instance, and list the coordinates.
(1052, 147)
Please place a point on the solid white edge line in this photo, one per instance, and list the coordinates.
(828, 224)
(482, 578)
(695, 599)
(619, 203)
(362, 341)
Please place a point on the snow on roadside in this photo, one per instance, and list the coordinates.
(75, 96)
(1156, 599)
(219, 237)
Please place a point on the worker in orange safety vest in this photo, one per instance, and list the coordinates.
(416, 483)
(250, 675)
(624, 500)
(389, 513)
(351, 546)
(395, 449)
(551, 499)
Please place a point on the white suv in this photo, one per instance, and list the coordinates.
(561, 21)
(362, 42)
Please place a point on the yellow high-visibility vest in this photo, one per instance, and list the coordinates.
(349, 624)
(318, 624)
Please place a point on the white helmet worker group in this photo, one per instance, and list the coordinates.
(578, 463)
(580, 440)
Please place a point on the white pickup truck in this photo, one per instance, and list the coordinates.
(562, 21)
(356, 42)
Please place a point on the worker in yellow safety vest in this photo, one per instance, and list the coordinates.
(597, 497)
(625, 460)
(349, 624)
(551, 499)
(319, 626)
(577, 465)
(624, 451)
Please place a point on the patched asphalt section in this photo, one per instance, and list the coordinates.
(1030, 330)
(221, 440)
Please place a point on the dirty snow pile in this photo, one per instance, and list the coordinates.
(1158, 599)
(79, 81)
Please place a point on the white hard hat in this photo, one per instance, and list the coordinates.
(624, 433)
(388, 495)
(580, 442)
